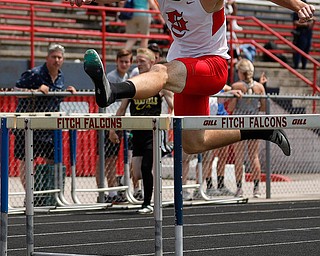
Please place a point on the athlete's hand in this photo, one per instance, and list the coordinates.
(306, 13)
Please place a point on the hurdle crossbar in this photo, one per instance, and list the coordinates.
(251, 122)
(90, 121)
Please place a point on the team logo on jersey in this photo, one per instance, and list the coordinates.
(178, 23)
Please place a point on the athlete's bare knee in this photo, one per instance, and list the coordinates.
(192, 148)
(193, 142)
(162, 72)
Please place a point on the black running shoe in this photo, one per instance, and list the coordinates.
(94, 68)
(280, 138)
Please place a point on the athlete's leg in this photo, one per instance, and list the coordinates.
(171, 76)
(206, 76)
(199, 141)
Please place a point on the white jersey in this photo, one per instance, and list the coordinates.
(195, 32)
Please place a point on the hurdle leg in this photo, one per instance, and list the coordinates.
(157, 165)
(178, 201)
(101, 134)
(73, 160)
(29, 186)
(58, 168)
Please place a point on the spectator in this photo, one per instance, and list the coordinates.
(140, 23)
(302, 37)
(120, 73)
(158, 57)
(247, 106)
(232, 9)
(142, 141)
(44, 78)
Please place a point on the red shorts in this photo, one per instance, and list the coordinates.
(206, 76)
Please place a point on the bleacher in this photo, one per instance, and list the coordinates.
(84, 28)
(280, 20)
(81, 28)
(72, 27)
(277, 18)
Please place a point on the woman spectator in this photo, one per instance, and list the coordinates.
(247, 106)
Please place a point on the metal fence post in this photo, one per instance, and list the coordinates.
(268, 156)
(4, 192)
(157, 164)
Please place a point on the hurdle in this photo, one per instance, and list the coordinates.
(234, 122)
(97, 122)
(100, 122)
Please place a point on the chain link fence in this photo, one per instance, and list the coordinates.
(291, 177)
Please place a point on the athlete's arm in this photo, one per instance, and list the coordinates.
(305, 11)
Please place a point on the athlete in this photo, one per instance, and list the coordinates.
(196, 68)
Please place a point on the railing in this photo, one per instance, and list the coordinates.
(97, 37)
(316, 64)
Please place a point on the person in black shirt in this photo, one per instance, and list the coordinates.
(142, 141)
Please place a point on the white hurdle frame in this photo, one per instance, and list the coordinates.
(97, 122)
(234, 122)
